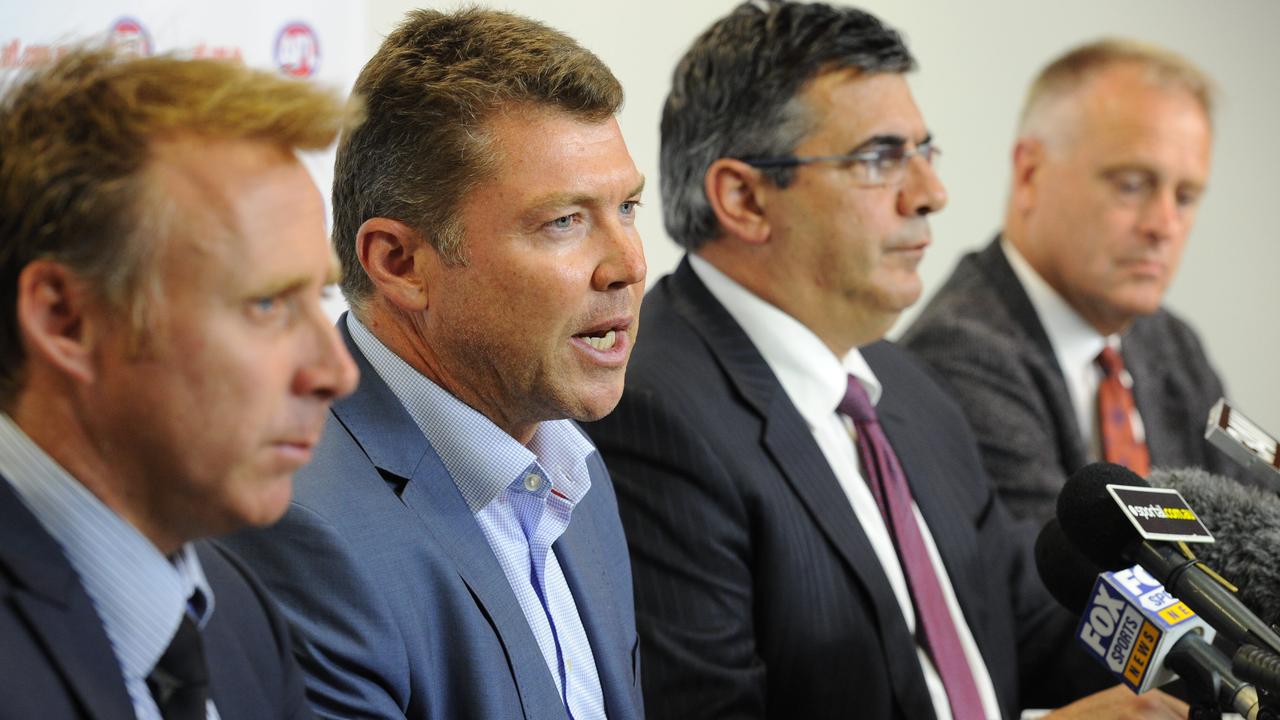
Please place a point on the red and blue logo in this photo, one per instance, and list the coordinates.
(297, 50)
(130, 37)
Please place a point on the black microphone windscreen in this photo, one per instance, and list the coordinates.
(1090, 517)
(1068, 575)
(1245, 523)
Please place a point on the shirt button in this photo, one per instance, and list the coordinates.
(532, 482)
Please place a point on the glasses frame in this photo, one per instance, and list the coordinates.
(866, 158)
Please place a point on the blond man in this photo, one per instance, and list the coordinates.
(165, 367)
(1054, 337)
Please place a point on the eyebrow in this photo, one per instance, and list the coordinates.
(1151, 172)
(888, 140)
(285, 286)
(555, 200)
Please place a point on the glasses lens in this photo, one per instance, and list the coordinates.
(888, 165)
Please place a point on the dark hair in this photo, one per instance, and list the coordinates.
(733, 94)
(430, 91)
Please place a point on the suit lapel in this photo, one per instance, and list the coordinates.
(397, 448)
(594, 593)
(800, 461)
(49, 596)
(1159, 401)
(1005, 284)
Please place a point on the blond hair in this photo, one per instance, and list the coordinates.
(1069, 72)
(76, 138)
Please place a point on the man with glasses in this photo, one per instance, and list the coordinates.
(1052, 338)
(811, 531)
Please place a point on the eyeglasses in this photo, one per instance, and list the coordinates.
(883, 165)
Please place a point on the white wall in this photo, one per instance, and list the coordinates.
(976, 59)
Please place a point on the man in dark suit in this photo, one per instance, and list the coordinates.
(1057, 325)
(165, 367)
(811, 531)
(455, 551)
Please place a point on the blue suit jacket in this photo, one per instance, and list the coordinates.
(56, 662)
(401, 608)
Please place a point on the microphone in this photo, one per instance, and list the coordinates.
(1132, 626)
(1245, 522)
(1094, 522)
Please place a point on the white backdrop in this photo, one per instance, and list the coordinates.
(323, 40)
(976, 58)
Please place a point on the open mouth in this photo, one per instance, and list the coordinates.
(601, 340)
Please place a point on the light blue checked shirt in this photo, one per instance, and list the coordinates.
(138, 592)
(522, 498)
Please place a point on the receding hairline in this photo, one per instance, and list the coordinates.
(1073, 73)
(187, 206)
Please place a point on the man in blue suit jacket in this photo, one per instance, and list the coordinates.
(165, 367)
(455, 549)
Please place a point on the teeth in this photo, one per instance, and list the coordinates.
(602, 343)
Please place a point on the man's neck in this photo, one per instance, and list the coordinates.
(49, 419)
(840, 332)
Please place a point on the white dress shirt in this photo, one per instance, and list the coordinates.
(1076, 345)
(815, 379)
(523, 499)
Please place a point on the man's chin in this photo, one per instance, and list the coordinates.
(598, 405)
(267, 505)
(1143, 301)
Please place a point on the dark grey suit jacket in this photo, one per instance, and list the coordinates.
(401, 606)
(983, 337)
(56, 662)
(757, 592)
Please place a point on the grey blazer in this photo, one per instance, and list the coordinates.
(981, 334)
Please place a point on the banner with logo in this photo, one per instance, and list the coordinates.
(322, 41)
(319, 40)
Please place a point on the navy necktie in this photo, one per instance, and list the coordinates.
(180, 681)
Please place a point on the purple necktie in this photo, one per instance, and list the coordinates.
(934, 621)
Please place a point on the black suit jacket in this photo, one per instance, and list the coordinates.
(757, 593)
(982, 335)
(56, 662)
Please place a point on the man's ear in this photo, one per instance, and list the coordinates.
(52, 305)
(396, 257)
(1028, 158)
(736, 193)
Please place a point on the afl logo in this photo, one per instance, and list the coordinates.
(298, 50)
(130, 38)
